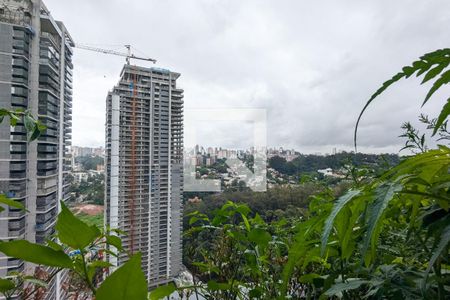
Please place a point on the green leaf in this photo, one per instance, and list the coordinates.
(299, 248)
(35, 253)
(127, 282)
(348, 240)
(28, 121)
(243, 209)
(193, 219)
(434, 72)
(74, 232)
(6, 285)
(162, 291)
(384, 195)
(255, 293)
(340, 203)
(100, 264)
(440, 57)
(338, 288)
(420, 162)
(247, 224)
(308, 278)
(442, 116)
(217, 286)
(114, 241)
(112, 253)
(443, 243)
(117, 231)
(259, 236)
(54, 245)
(380, 90)
(35, 281)
(203, 267)
(34, 134)
(4, 112)
(13, 119)
(92, 267)
(444, 79)
(11, 203)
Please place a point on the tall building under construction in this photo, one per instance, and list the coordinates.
(35, 75)
(144, 168)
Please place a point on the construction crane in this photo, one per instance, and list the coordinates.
(128, 55)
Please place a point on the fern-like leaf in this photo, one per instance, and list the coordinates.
(385, 85)
(416, 163)
(383, 195)
(442, 116)
(433, 64)
(444, 79)
(340, 203)
(299, 249)
(444, 241)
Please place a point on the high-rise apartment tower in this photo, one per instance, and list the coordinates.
(36, 75)
(144, 168)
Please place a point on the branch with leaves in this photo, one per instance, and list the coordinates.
(33, 126)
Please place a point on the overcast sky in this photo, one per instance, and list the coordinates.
(311, 64)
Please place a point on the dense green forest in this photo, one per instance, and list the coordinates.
(272, 205)
(311, 163)
(89, 162)
(92, 190)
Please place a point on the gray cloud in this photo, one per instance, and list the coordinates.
(311, 65)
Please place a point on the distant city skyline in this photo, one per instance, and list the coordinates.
(78, 150)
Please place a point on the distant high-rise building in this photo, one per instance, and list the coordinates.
(36, 75)
(144, 168)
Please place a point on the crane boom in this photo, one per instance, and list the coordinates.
(128, 55)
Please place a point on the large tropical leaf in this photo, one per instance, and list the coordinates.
(74, 232)
(36, 253)
(163, 291)
(6, 285)
(127, 282)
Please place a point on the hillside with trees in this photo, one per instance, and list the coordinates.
(310, 163)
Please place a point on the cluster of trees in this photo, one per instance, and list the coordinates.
(307, 164)
(271, 205)
(92, 190)
(89, 162)
(220, 166)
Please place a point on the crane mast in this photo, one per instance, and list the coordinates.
(127, 55)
